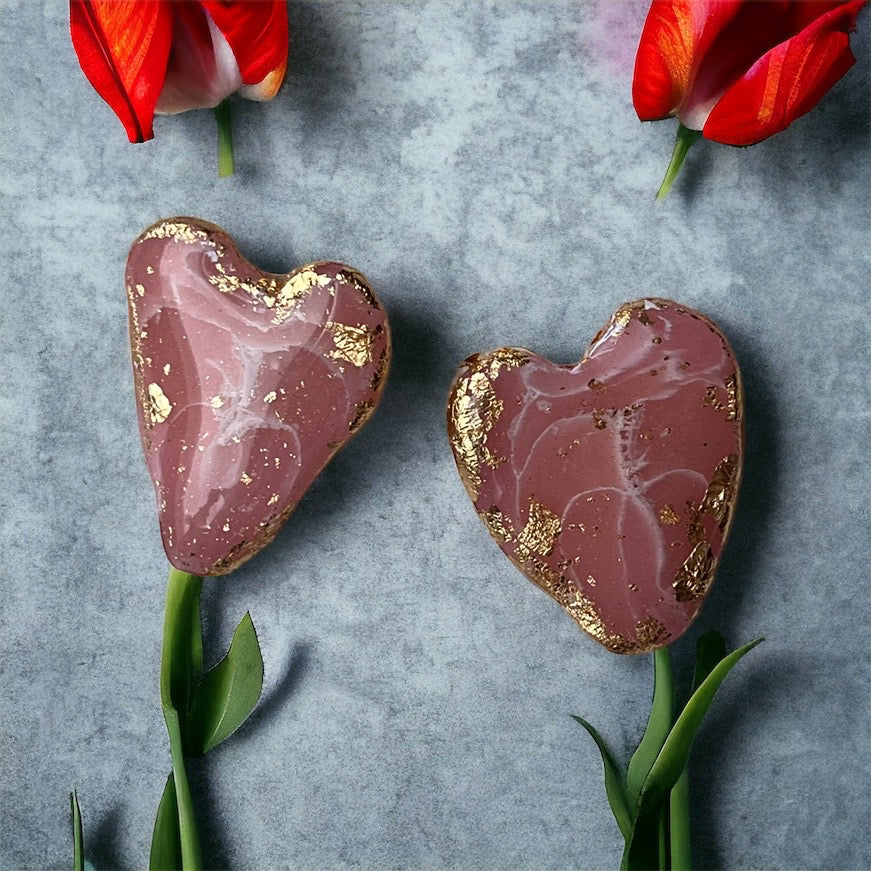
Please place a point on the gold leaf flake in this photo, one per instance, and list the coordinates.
(720, 493)
(353, 344)
(734, 400)
(540, 532)
(297, 287)
(498, 524)
(694, 577)
(159, 406)
(668, 516)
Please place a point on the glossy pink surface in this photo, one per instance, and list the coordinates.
(610, 483)
(247, 384)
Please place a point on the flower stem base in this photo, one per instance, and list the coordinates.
(685, 140)
(226, 163)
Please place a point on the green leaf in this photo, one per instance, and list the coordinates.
(166, 852)
(228, 693)
(614, 788)
(658, 726)
(672, 759)
(78, 834)
(710, 649)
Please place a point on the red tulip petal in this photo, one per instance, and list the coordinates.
(202, 69)
(257, 33)
(676, 36)
(787, 81)
(123, 48)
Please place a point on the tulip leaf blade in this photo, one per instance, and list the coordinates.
(710, 650)
(78, 834)
(671, 762)
(614, 786)
(166, 852)
(227, 693)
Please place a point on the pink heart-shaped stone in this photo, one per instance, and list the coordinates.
(610, 484)
(247, 384)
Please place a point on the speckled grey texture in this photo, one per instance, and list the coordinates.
(482, 164)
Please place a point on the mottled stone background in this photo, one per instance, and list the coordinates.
(482, 164)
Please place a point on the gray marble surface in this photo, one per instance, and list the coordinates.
(482, 164)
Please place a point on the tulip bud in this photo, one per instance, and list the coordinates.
(738, 71)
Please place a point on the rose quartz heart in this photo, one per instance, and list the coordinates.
(611, 483)
(247, 384)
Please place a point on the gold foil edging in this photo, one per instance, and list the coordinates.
(537, 540)
(358, 281)
(472, 413)
(226, 282)
(498, 525)
(502, 358)
(180, 231)
(473, 410)
(362, 412)
(296, 288)
(245, 549)
(649, 632)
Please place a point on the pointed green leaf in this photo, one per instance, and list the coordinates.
(613, 781)
(228, 693)
(166, 852)
(658, 726)
(78, 834)
(672, 759)
(676, 750)
(710, 649)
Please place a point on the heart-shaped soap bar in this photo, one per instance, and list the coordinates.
(247, 384)
(611, 483)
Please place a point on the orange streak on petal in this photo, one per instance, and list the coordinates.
(787, 81)
(123, 47)
(663, 63)
(265, 89)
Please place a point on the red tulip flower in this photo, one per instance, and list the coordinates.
(738, 71)
(167, 56)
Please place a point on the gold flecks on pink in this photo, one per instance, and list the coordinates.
(247, 383)
(611, 483)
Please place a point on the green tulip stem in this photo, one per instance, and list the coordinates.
(685, 139)
(679, 819)
(226, 164)
(182, 600)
